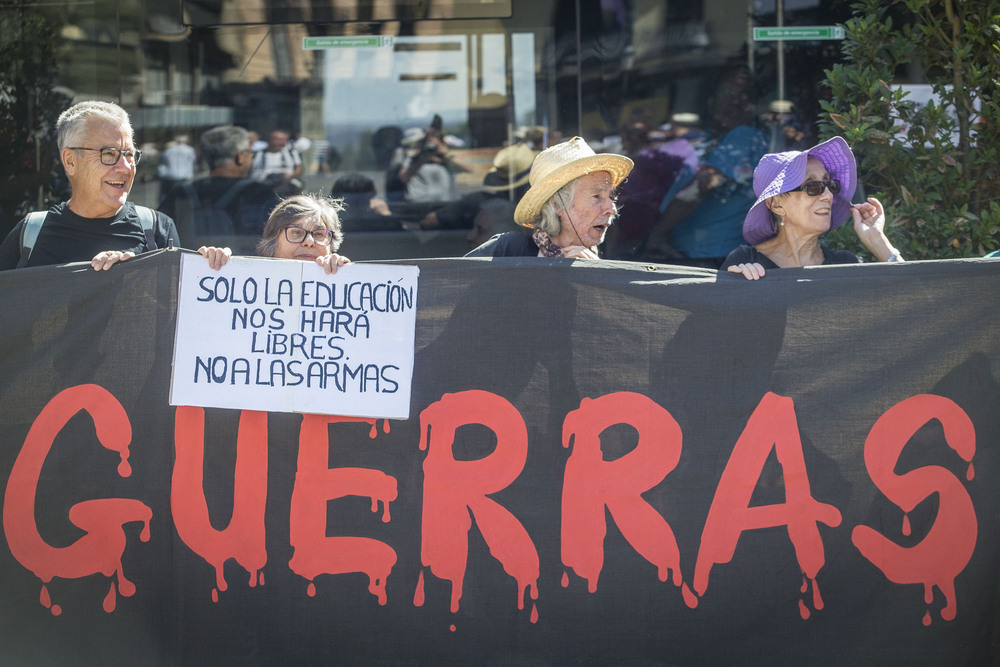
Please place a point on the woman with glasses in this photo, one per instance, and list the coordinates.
(303, 227)
(802, 195)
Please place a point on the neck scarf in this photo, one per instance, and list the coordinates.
(545, 244)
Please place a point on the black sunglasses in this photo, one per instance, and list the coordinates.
(815, 188)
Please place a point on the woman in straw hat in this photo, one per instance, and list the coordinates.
(802, 195)
(569, 206)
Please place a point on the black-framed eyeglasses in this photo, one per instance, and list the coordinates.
(815, 188)
(296, 234)
(110, 156)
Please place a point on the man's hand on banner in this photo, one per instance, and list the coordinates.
(105, 260)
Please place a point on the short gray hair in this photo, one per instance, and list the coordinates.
(548, 216)
(222, 144)
(76, 120)
(295, 208)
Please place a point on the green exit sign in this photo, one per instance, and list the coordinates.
(798, 32)
(353, 42)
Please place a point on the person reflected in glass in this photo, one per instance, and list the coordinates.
(802, 195)
(363, 209)
(226, 201)
(303, 227)
(701, 213)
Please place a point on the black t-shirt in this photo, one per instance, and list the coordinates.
(67, 237)
(746, 254)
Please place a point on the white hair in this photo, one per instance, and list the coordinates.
(76, 120)
(548, 216)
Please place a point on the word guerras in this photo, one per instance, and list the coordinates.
(452, 492)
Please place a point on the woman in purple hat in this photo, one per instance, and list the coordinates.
(802, 195)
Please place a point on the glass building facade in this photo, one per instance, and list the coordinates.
(357, 78)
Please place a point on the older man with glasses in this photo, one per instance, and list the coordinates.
(97, 223)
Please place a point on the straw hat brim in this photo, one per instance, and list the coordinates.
(501, 185)
(530, 206)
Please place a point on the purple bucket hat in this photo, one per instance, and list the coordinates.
(777, 173)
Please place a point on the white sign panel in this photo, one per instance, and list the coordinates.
(283, 336)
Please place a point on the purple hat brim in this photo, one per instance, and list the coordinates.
(777, 173)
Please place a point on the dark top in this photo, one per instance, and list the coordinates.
(358, 215)
(747, 254)
(461, 213)
(67, 237)
(224, 205)
(508, 244)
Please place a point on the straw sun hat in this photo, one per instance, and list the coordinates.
(558, 165)
(777, 173)
(510, 170)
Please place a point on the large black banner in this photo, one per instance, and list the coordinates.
(605, 463)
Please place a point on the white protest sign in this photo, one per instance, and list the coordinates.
(283, 336)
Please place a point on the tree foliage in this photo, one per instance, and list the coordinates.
(29, 105)
(933, 166)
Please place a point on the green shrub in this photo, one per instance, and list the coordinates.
(934, 167)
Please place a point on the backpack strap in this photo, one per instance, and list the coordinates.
(147, 219)
(29, 234)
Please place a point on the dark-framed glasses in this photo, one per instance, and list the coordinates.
(296, 234)
(815, 188)
(110, 156)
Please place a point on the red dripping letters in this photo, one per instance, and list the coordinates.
(244, 538)
(591, 484)
(102, 519)
(772, 425)
(946, 549)
(456, 491)
(453, 489)
(315, 484)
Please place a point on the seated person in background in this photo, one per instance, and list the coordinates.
(363, 210)
(802, 195)
(700, 217)
(506, 182)
(569, 206)
(279, 166)
(796, 137)
(495, 216)
(98, 223)
(658, 164)
(301, 227)
(426, 173)
(226, 201)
